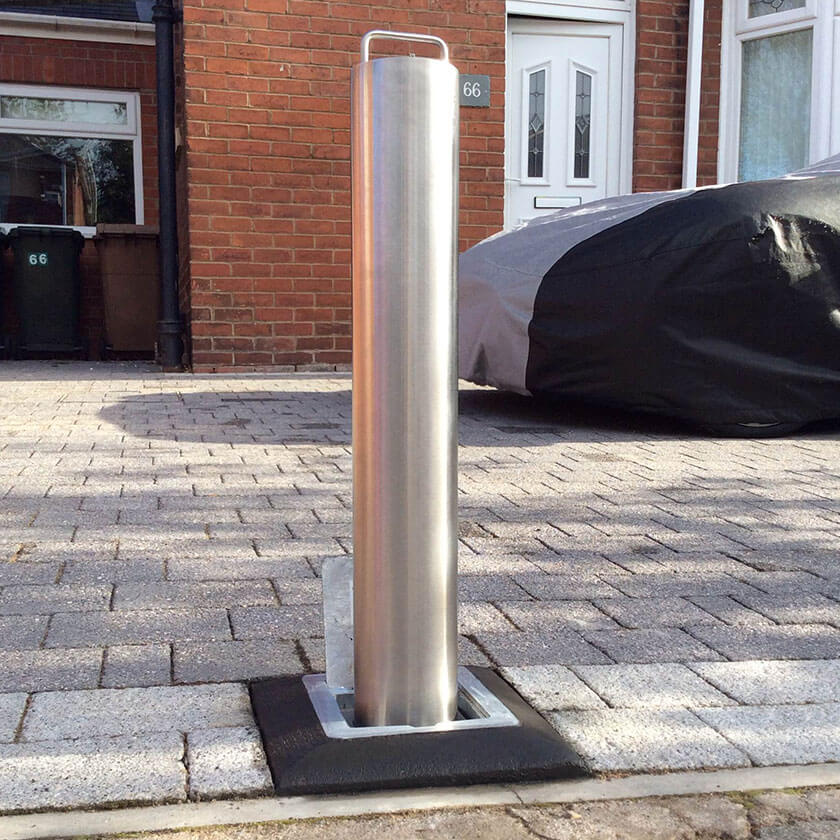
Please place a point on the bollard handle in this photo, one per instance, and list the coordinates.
(403, 36)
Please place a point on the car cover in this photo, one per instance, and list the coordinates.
(719, 305)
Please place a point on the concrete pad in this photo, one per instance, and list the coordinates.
(11, 711)
(92, 772)
(768, 682)
(652, 686)
(227, 762)
(780, 734)
(637, 740)
(131, 711)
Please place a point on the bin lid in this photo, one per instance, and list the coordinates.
(25, 231)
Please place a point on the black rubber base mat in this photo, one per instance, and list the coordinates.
(304, 760)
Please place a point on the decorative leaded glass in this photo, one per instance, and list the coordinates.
(536, 123)
(583, 122)
(758, 8)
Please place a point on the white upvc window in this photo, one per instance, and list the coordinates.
(69, 157)
(780, 86)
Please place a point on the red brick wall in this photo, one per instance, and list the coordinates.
(661, 49)
(267, 110)
(128, 67)
(710, 94)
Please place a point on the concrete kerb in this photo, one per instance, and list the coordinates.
(265, 810)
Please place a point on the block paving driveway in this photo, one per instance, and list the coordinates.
(666, 599)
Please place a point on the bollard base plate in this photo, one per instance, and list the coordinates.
(304, 760)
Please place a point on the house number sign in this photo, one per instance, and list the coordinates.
(38, 259)
(475, 90)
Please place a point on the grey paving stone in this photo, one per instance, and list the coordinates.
(774, 683)
(50, 670)
(780, 734)
(664, 645)
(820, 830)
(227, 762)
(475, 616)
(795, 608)
(638, 740)
(112, 571)
(92, 772)
(566, 587)
(298, 591)
(277, 622)
(51, 598)
(470, 654)
(549, 687)
(20, 572)
(221, 568)
(137, 627)
(558, 647)
(637, 613)
(234, 661)
(677, 585)
(800, 641)
(16, 634)
(136, 666)
(657, 686)
(130, 711)
(11, 711)
(729, 611)
(490, 588)
(538, 615)
(219, 593)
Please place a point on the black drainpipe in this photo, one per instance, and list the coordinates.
(170, 344)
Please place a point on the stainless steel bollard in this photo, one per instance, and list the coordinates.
(404, 143)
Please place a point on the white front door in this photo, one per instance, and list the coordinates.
(563, 115)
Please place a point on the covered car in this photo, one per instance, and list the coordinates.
(719, 305)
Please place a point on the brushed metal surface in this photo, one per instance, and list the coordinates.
(405, 190)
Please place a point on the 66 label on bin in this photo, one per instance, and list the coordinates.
(474, 90)
(38, 259)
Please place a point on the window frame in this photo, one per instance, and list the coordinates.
(51, 128)
(824, 20)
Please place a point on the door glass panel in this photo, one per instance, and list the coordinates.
(536, 123)
(775, 105)
(758, 8)
(583, 121)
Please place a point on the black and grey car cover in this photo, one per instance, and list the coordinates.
(719, 305)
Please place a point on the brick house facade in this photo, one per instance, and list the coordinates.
(264, 133)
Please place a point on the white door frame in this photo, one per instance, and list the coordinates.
(622, 12)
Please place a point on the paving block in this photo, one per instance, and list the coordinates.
(772, 735)
(475, 616)
(298, 591)
(558, 647)
(664, 645)
(795, 641)
(136, 665)
(11, 711)
(52, 598)
(768, 682)
(636, 613)
(92, 772)
(14, 572)
(17, 634)
(254, 568)
(112, 571)
(549, 687)
(227, 762)
(729, 611)
(50, 670)
(795, 607)
(490, 588)
(538, 615)
(219, 593)
(678, 585)
(234, 661)
(547, 587)
(654, 686)
(137, 627)
(131, 711)
(640, 740)
(277, 622)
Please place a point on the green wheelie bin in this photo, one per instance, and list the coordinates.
(47, 288)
